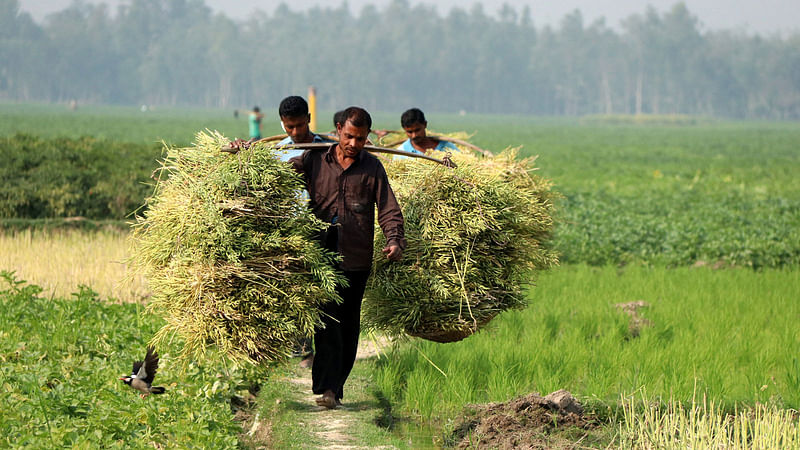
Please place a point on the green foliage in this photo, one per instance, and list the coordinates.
(680, 228)
(645, 193)
(230, 251)
(61, 360)
(675, 196)
(727, 334)
(475, 235)
(61, 177)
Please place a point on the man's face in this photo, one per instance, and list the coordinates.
(416, 131)
(351, 138)
(297, 128)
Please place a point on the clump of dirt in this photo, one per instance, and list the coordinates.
(637, 321)
(528, 422)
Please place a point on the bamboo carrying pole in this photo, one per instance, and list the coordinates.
(277, 137)
(446, 161)
(469, 145)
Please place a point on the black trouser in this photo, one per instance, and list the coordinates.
(337, 343)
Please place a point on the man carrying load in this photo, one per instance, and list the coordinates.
(414, 124)
(345, 185)
(294, 116)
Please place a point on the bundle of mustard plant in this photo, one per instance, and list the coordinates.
(477, 235)
(229, 249)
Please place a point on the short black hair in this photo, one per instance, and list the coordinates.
(337, 118)
(359, 117)
(255, 109)
(293, 106)
(412, 116)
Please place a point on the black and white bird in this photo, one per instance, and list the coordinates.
(143, 374)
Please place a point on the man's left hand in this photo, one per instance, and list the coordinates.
(393, 252)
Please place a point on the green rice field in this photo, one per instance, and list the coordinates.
(728, 334)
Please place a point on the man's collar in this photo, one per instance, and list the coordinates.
(331, 154)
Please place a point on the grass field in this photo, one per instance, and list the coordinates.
(727, 334)
(641, 205)
(724, 335)
(658, 194)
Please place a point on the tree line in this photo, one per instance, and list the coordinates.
(178, 52)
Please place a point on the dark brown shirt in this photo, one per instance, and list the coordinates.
(347, 198)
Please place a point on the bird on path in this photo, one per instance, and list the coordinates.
(143, 374)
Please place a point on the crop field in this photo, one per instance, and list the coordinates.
(75, 258)
(728, 334)
(678, 285)
(61, 360)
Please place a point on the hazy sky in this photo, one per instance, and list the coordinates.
(759, 16)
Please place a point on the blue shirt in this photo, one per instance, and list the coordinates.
(292, 152)
(442, 146)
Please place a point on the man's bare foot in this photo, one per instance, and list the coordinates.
(327, 400)
(307, 362)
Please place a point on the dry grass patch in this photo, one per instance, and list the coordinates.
(60, 261)
(704, 424)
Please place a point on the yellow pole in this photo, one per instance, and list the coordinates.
(312, 108)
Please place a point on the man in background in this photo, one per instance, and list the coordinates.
(414, 124)
(294, 116)
(254, 120)
(293, 112)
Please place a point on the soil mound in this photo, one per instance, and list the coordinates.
(528, 422)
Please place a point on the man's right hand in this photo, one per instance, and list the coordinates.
(393, 252)
(238, 144)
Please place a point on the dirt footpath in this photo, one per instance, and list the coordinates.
(331, 426)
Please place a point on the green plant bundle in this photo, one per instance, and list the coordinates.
(475, 234)
(228, 247)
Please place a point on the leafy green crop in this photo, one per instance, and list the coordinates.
(61, 360)
(680, 228)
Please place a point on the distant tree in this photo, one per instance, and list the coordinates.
(177, 52)
(23, 47)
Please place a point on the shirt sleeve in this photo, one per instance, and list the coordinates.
(390, 216)
(445, 146)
